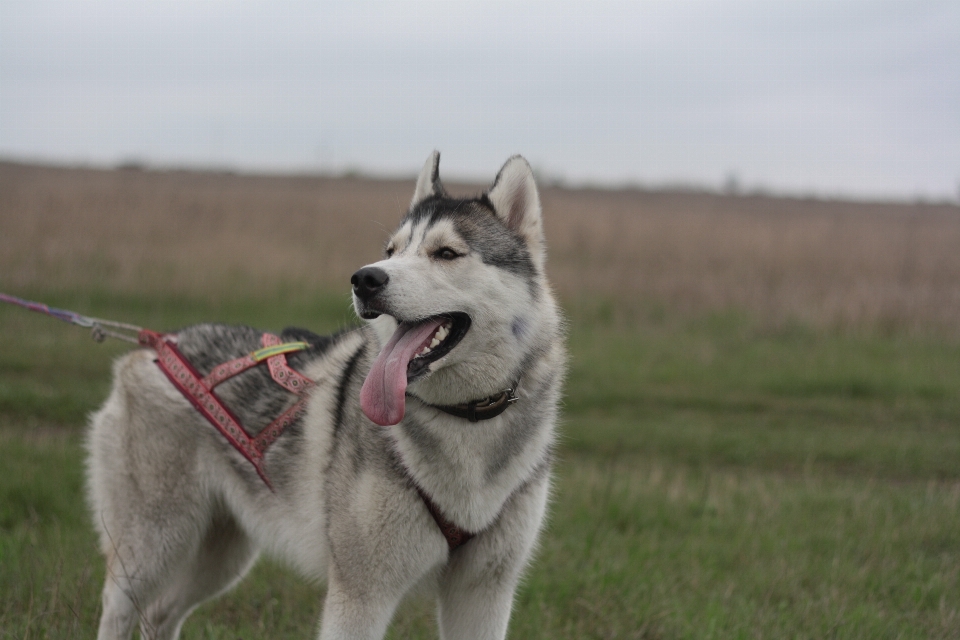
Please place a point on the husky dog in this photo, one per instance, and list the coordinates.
(458, 311)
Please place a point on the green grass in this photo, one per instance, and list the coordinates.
(723, 392)
(717, 479)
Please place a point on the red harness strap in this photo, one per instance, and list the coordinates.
(454, 534)
(199, 391)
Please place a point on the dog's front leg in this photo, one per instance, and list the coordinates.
(348, 616)
(477, 586)
(362, 595)
(475, 611)
(382, 541)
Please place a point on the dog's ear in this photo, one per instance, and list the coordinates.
(428, 184)
(515, 199)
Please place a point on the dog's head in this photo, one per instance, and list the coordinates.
(460, 298)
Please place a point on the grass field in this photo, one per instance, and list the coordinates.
(730, 467)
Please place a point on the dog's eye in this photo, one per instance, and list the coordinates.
(446, 253)
(389, 252)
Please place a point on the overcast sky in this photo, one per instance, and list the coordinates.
(851, 97)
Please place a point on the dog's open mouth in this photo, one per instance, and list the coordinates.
(406, 357)
(453, 327)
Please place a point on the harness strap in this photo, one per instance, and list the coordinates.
(454, 534)
(199, 390)
(280, 371)
(272, 347)
(227, 370)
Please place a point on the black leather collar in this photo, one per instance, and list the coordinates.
(483, 409)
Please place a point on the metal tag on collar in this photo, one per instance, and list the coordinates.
(511, 396)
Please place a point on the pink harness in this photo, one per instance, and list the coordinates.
(199, 389)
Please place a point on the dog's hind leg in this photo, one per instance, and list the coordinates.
(155, 512)
(162, 589)
(136, 572)
(143, 559)
(119, 609)
(223, 557)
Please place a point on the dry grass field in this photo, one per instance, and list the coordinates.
(761, 430)
(823, 263)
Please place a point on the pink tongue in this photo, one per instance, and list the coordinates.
(382, 395)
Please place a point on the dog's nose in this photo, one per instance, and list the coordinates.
(368, 282)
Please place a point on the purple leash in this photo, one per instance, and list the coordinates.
(96, 325)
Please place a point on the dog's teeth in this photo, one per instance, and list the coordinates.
(434, 342)
(442, 333)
